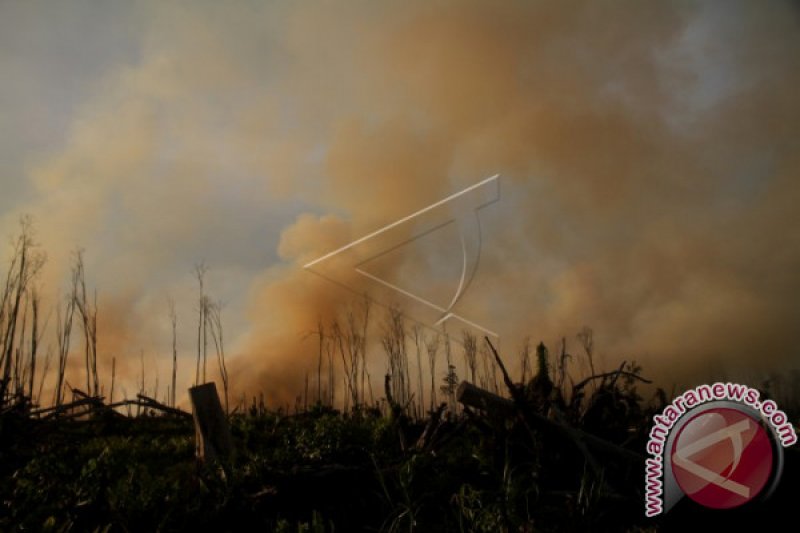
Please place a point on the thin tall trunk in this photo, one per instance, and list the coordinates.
(64, 330)
(113, 377)
(417, 344)
(215, 319)
(174, 320)
(321, 334)
(525, 356)
(432, 346)
(89, 319)
(34, 339)
(85, 317)
(364, 345)
(199, 333)
(305, 397)
(200, 271)
(94, 346)
(205, 337)
(46, 367)
(329, 348)
(470, 353)
(19, 388)
(141, 382)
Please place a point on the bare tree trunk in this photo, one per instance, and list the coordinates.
(205, 337)
(525, 357)
(215, 318)
(338, 337)
(371, 392)
(562, 366)
(113, 378)
(330, 349)
(432, 346)
(141, 381)
(94, 346)
(470, 353)
(418, 340)
(200, 272)
(486, 377)
(394, 344)
(364, 346)
(46, 367)
(89, 319)
(174, 321)
(81, 302)
(19, 371)
(64, 333)
(451, 378)
(34, 339)
(321, 334)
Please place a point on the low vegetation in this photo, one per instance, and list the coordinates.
(543, 452)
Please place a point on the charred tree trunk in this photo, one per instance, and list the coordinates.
(212, 434)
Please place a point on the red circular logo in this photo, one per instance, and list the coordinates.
(722, 458)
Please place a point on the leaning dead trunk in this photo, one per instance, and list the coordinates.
(472, 396)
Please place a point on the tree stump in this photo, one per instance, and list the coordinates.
(212, 433)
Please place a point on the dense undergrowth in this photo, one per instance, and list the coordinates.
(318, 471)
(324, 470)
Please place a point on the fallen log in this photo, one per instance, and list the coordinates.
(472, 396)
(146, 401)
(54, 411)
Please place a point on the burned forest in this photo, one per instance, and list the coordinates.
(460, 437)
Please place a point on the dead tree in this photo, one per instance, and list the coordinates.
(47, 359)
(419, 339)
(525, 359)
(35, 339)
(451, 377)
(64, 332)
(321, 334)
(25, 265)
(200, 271)
(173, 318)
(19, 369)
(470, 344)
(432, 346)
(113, 377)
(351, 341)
(214, 316)
(88, 315)
(394, 344)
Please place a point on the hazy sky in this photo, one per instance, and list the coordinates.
(649, 156)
